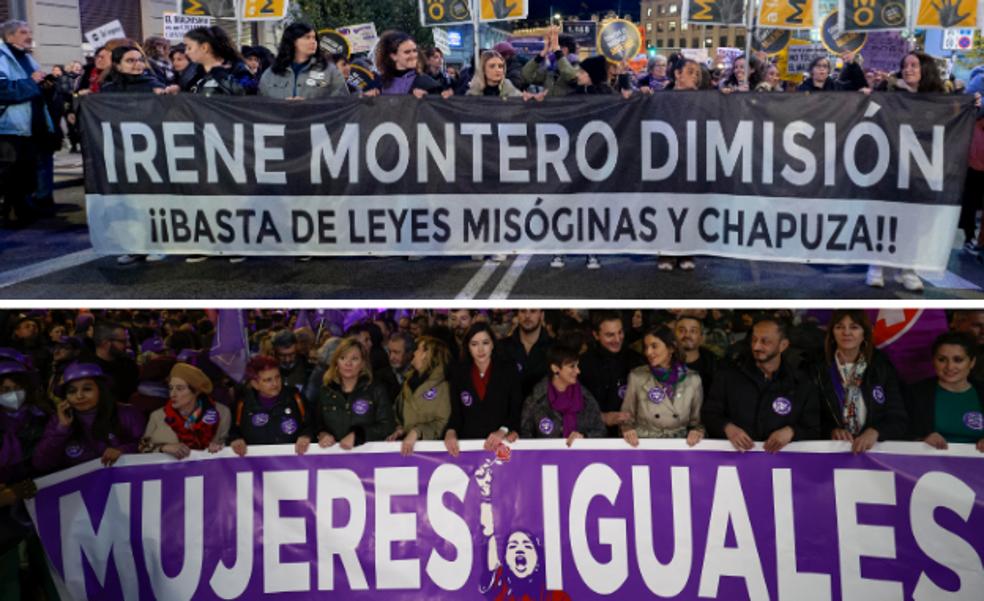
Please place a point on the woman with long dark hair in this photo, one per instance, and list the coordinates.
(301, 70)
(88, 423)
(949, 407)
(486, 396)
(398, 66)
(862, 401)
(129, 74)
(223, 71)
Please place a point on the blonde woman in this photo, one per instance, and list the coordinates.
(490, 80)
(424, 405)
(350, 408)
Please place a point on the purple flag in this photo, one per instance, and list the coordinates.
(304, 321)
(230, 350)
(906, 336)
(538, 521)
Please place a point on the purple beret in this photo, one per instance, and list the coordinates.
(81, 371)
(11, 367)
(14, 355)
(187, 355)
(152, 345)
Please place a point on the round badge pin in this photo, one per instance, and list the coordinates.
(211, 417)
(782, 406)
(73, 450)
(974, 420)
(656, 395)
(260, 419)
(547, 426)
(466, 398)
(431, 394)
(621, 391)
(288, 426)
(878, 394)
(360, 407)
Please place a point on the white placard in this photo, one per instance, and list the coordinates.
(176, 26)
(104, 33)
(441, 40)
(361, 37)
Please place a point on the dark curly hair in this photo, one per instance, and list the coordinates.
(285, 50)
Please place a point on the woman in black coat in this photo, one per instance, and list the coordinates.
(861, 399)
(486, 395)
(950, 407)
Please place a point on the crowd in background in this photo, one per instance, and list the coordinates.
(79, 385)
(39, 108)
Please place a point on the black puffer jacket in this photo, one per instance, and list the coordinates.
(367, 411)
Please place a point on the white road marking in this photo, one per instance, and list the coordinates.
(37, 270)
(509, 280)
(478, 280)
(952, 281)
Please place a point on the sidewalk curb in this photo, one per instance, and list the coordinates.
(69, 183)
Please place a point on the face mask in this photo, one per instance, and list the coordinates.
(12, 401)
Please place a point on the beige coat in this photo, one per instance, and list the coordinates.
(426, 409)
(158, 433)
(668, 418)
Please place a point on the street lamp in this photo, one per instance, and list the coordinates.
(558, 17)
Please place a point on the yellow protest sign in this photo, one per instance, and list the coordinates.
(503, 10)
(947, 13)
(787, 14)
(193, 7)
(264, 10)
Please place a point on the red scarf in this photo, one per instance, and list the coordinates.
(481, 384)
(193, 430)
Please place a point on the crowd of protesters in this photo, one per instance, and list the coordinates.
(37, 107)
(77, 386)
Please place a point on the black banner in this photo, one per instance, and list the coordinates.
(784, 157)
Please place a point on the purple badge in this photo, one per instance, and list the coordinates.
(211, 417)
(782, 406)
(656, 395)
(360, 407)
(288, 426)
(621, 391)
(74, 450)
(878, 394)
(547, 426)
(974, 420)
(466, 398)
(260, 419)
(431, 394)
(519, 366)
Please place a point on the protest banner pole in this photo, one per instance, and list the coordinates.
(749, 32)
(476, 25)
(239, 23)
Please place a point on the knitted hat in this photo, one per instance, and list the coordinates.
(193, 376)
(597, 69)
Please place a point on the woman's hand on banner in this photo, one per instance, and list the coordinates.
(841, 434)
(864, 441)
(302, 444)
(740, 440)
(694, 436)
(239, 447)
(936, 441)
(396, 435)
(215, 447)
(176, 450)
(110, 456)
(631, 437)
(325, 440)
(348, 441)
(451, 443)
(574, 436)
(409, 440)
(778, 439)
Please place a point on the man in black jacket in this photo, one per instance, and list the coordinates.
(763, 397)
(689, 332)
(606, 365)
(527, 347)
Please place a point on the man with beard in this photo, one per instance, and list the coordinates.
(606, 365)
(763, 397)
(399, 348)
(293, 367)
(689, 333)
(528, 347)
(459, 320)
(111, 341)
(27, 338)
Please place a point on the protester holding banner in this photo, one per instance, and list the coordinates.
(129, 75)
(158, 51)
(432, 65)
(301, 70)
(424, 405)
(950, 407)
(551, 69)
(88, 423)
(861, 400)
(486, 396)
(763, 397)
(851, 76)
(224, 73)
(739, 79)
(186, 73)
(771, 82)
(655, 79)
(269, 412)
(605, 367)
(397, 66)
(191, 420)
(560, 406)
(490, 80)
(351, 408)
(92, 74)
(664, 397)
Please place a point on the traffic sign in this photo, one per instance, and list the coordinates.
(264, 10)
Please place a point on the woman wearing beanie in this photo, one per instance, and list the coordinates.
(191, 420)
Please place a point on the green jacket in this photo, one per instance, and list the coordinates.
(559, 82)
(366, 411)
(426, 408)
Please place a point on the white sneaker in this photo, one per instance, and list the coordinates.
(127, 259)
(875, 277)
(156, 258)
(305, 259)
(910, 281)
(665, 265)
(500, 258)
(237, 259)
(593, 262)
(196, 258)
(687, 264)
(557, 262)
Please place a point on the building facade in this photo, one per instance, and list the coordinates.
(666, 32)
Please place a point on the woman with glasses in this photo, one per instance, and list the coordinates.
(190, 420)
(128, 74)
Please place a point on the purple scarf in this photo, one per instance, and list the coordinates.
(267, 402)
(669, 377)
(568, 404)
(400, 85)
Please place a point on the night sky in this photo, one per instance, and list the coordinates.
(540, 9)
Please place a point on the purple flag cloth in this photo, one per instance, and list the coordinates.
(906, 336)
(304, 321)
(230, 350)
(536, 520)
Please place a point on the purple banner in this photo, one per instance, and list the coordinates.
(539, 521)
